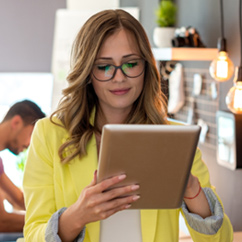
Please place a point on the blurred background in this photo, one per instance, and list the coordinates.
(32, 67)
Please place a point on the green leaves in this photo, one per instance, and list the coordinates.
(21, 160)
(166, 14)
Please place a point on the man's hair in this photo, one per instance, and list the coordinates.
(27, 110)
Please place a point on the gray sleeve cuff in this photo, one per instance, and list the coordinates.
(209, 225)
(51, 233)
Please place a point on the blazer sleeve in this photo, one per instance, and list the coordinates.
(225, 232)
(38, 185)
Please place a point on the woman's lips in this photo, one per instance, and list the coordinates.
(120, 91)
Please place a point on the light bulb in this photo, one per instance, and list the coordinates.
(234, 96)
(222, 68)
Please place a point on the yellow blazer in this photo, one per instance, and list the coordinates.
(49, 185)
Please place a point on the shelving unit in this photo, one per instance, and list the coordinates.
(185, 54)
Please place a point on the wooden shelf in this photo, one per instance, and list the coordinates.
(185, 54)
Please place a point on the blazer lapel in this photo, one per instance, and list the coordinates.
(148, 224)
(82, 170)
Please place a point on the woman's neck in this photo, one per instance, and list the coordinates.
(116, 117)
(103, 118)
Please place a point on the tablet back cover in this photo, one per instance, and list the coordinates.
(157, 157)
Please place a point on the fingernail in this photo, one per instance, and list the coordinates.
(136, 197)
(134, 187)
(121, 177)
(127, 206)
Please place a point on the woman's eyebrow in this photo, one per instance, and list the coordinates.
(126, 56)
(123, 57)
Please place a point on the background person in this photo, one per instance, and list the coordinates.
(15, 133)
(113, 79)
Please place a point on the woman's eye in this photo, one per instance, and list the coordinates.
(103, 67)
(131, 64)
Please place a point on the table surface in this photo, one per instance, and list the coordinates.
(186, 238)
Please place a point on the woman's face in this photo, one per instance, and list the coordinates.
(121, 91)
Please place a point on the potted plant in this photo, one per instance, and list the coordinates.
(166, 19)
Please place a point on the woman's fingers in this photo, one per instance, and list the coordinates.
(99, 201)
(106, 184)
(120, 192)
(114, 195)
(104, 210)
(107, 190)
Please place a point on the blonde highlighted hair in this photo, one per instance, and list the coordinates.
(79, 98)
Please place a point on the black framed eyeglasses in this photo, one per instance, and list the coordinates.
(106, 72)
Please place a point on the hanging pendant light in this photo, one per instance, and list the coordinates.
(222, 68)
(234, 96)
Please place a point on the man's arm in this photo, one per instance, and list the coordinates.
(10, 222)
(13, 194)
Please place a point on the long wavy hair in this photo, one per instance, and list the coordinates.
(79, 98)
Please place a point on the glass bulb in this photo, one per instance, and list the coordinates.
(222, 68)
(234, 98)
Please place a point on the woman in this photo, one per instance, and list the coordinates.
(113, 79)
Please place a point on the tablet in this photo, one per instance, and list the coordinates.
(157, 157)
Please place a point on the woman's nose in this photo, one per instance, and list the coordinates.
(119, 76)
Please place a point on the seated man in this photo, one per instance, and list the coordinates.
(15, 133)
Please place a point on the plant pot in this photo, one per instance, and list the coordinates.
(162, 36)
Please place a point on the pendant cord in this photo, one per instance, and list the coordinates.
(222, 18)
(240, 28)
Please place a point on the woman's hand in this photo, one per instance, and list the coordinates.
(193, 187)
(195, 198)
(95, 203)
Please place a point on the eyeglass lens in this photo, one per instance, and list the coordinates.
(105, 72)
